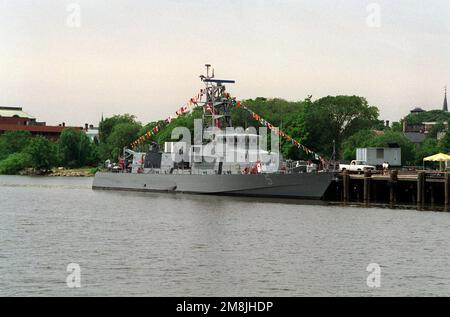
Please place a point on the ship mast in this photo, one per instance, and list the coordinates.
(217, 106)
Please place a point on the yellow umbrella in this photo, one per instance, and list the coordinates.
(440, 157)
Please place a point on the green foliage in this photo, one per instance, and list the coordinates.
(436, 129)
(75, 149)
(428, 116)
(444, 144)
(278, 111)
(42, 152)
(106, 126)
(287, 115)
(336, 118)
(389, 137)
(13, 142)
(14, 163)
(427, 148)
(186, 120)
(114, 134)
(368, 138)
(397, 126)
(361, 139)
(94, 170)
(121, 136)
(315, 124)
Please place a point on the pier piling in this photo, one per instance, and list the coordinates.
(421, 188)
(367, 181)
(447, 188)
(393, 179)
(398, 187)
(345, 185)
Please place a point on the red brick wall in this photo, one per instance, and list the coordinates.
(13, 120)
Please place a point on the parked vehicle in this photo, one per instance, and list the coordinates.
(356, 166)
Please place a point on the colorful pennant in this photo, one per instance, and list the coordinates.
(193, 102)
(267, 124)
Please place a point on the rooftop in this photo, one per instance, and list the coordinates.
(417, 110)
(34, 128)
(415, 137)
(14, 112)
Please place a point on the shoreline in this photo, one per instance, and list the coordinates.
(61, 172)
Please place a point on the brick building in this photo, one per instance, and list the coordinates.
(15, 119)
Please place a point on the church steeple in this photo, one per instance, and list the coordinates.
(445, 108)
(445, 100)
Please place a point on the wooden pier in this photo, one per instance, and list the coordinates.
(397, 187)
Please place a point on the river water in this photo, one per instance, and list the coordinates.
(144, 244)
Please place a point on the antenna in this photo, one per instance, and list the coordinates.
(218, 101)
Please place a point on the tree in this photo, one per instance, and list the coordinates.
(13, 142)
(444, 143)
(336, 118)
(428, 116)
(121, 136)
(438, 127)
(397, 126)
(294, 127)
(14, 163)
(275, 110)
(107, 125)
(74, 148)
(42, 153)
(427, 148)
(360, 139)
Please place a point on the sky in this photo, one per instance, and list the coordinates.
(72, 61)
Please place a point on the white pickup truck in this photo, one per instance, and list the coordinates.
(356, 166)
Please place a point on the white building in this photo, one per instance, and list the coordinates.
(377, 156)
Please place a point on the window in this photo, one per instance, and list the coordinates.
(380, 153)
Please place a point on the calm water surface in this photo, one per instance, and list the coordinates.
(181, 245)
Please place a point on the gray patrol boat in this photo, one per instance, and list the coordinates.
(205, 168)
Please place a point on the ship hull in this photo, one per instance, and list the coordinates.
(307, 186)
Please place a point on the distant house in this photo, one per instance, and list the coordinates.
(91, 131)
(417, 132)
(15, 119)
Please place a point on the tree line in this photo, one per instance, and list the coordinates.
(343, 123)
(21, 150)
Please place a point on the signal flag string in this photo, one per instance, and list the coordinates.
(279, 132)
(193, 103)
